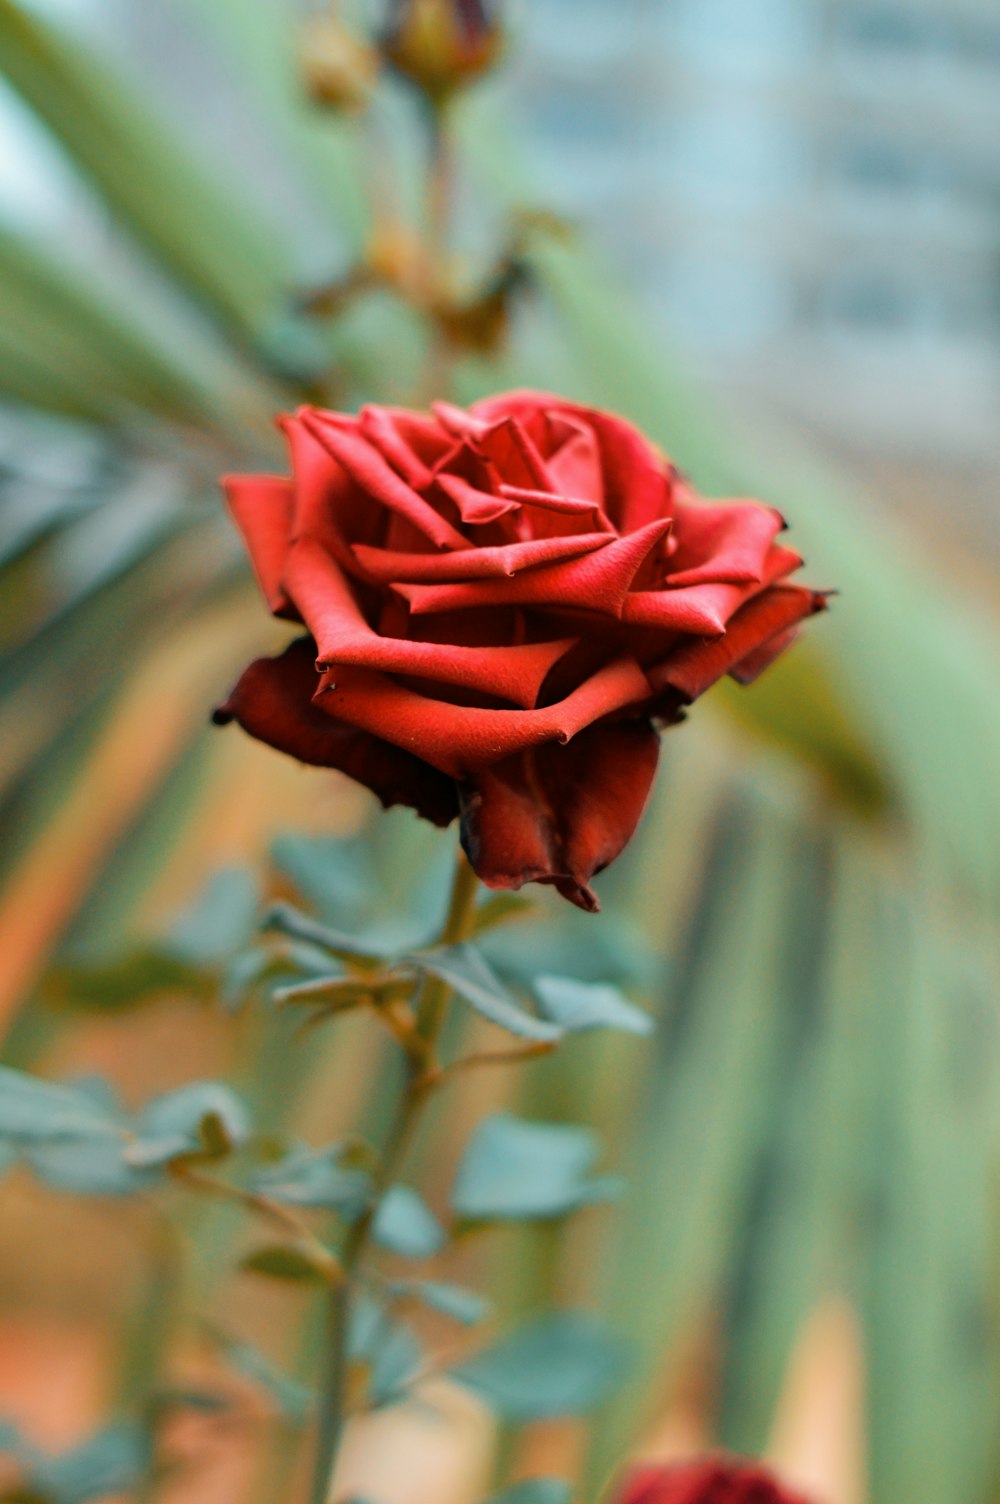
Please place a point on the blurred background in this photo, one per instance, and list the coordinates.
(769, 233)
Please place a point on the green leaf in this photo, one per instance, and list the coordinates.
(125, 982)
(564, 1363)
(292, 1399)
(91, 1166)
(240, 977)
(336, 993)
(282, 1263)
(221, 919)
(470, 975)
(579, 1006)
(405, 1225)
(514, 1170)
(285, 919)
(458, 1302)
(110, 1463)
(316, 1177)
(387, 1347)
(36, 1111)
(335, 877)
(204, 1117)
(76, 1138)
(544, 1490)
(72, 1136)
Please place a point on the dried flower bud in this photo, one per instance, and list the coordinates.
(339, 67)
(481, 323)
(441, 45)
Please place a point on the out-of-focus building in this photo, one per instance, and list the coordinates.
(807, 193)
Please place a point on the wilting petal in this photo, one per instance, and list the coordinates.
(273, 702)
(727, 543)
(597, 583)
(342, 635)
(695, 666)
(459, 739)
(559, 814)
(262, 507)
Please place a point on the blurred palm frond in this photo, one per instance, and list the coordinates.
(819, 874)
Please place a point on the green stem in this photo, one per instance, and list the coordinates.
(332, 1414)
(148, 1349)
(437, 238)
(421, 1080)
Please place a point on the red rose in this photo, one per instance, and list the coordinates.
(502, 605)
(708, 1480)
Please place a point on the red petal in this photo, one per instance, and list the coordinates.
(367, 468)
(475, 506)
(575, 461)
(598, 582)
(273, 702)
(706, 1480)
(262, 507)
(697, 665)
(397, 434)
(331, 612)
(388, 567)
(460, 739)
(328, 505)
(637, 480)
(578, 510)
(704, 609)
(722, 543)
(760, 658)
(559, 814)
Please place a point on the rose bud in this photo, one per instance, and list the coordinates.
(707, 1480)
(442, 45)
(502, 607)
(339, 67)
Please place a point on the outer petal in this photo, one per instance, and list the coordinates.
(344, 637)
(692, 668)
(722, 542)
(273, 702)
(707, 1480)
(263, 507)
(461, 739)
(704, 608)
(559, 814)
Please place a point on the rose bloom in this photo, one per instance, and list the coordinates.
(502, 607)
(707, 1480)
